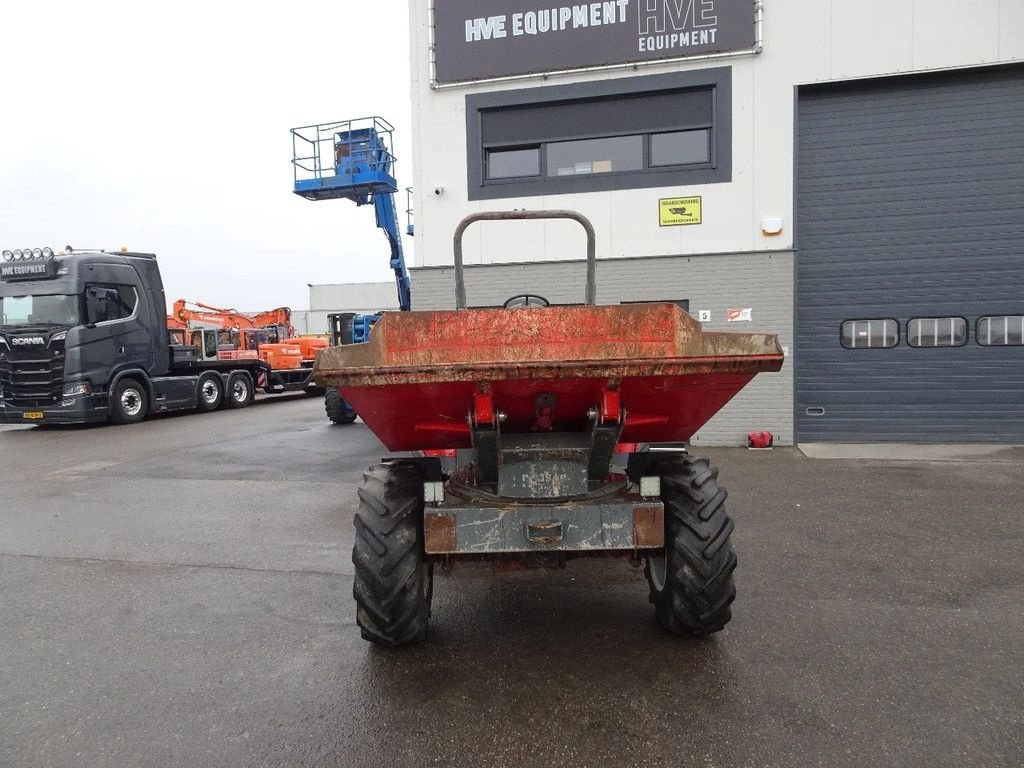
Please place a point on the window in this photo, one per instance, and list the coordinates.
(622, 153)
(205, 342)
(937, 332)
(681, 147)
(513, 163)
(870, 334)
(209, 344)
(630, 133)
(42, 309)
(105, 303)
(127, 298)
(1000, 331)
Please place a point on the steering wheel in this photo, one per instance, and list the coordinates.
(526, 300)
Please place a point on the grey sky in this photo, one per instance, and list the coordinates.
(165, 128)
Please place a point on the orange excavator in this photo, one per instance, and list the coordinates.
(268, 336)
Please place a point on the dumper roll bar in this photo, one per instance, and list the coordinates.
(460, 281)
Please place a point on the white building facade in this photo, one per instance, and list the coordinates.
(333, 298)
(847, 175)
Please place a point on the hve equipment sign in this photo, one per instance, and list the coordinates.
(487, 39)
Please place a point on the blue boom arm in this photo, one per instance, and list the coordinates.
(387, 220)
(352, 160)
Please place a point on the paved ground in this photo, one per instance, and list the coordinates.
(179, 593)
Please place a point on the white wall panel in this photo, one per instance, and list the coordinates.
(353, 297)
(1011, 30)
(878, 31)
(805, 41)
(954, 33)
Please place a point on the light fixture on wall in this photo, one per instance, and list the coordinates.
(771, 226)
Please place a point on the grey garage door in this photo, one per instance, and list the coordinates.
(910, 236)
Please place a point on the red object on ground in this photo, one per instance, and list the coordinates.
(421, 373)
(760, 440)
(450, 453)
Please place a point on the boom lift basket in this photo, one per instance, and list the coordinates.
(347, 159)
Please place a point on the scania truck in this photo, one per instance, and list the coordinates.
(84, 338)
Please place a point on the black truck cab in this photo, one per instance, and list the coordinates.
(84, 338)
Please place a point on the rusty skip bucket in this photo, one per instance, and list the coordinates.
(422, 374)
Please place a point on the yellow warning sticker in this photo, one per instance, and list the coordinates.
(676, 211)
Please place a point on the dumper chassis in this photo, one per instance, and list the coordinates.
(557, 406)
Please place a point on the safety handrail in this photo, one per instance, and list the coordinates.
(320, 141)
(460, 281)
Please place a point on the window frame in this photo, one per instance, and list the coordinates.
(977, 334)
(893, 320)
(718, 169)
(967, 332)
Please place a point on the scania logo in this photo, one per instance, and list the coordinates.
(21, 341)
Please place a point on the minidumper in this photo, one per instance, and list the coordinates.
(553, 411)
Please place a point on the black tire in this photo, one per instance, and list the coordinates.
(240, 392)
(393, 580)
(337, 409)
(692, 585)
(209, 392)
(129, 402)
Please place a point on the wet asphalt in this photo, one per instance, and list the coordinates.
(178, 593)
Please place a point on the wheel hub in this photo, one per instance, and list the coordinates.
(209, 392)
(131, 402)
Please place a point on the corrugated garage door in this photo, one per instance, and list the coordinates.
(910, 231)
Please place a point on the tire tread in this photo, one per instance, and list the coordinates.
(391, 598)
(699, 587)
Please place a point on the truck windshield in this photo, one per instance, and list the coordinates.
(43, 309)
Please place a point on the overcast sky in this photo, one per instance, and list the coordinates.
(165, 128)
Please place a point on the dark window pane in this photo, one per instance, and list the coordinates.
(937, 332)
(128, 297)
(681, 148)
(572, 158)
(870, 334)
(1001, 331)
(511, 163)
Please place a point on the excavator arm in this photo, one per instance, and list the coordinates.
(195, 311)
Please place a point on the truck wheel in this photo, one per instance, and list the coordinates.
(691, 582)
(240, 392)
(337, 409)
(128, 402)
(393, 580)
(210, 392)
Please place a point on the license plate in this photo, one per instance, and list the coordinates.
(34, 415)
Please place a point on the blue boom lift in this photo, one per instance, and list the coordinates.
(353, 160)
